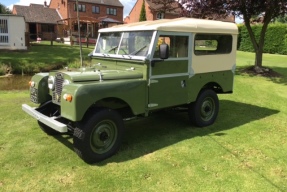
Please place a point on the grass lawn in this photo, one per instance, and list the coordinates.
(245, 150)
(43, 57)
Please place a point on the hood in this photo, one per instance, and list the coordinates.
(97, 75)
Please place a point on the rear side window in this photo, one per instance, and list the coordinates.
(210, 44)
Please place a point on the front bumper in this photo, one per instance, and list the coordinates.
(49, 121)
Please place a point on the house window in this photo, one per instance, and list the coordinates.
(111, 11)
(209, 44)
(47, 28)
(4, 35)
(82, 8)
(95, 9)
(160, 16)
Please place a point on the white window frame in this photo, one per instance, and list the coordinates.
(4, 32)
(111, 11)
(95, 9)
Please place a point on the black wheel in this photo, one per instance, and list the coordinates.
(203, 112)
(99, 136)
(48, 130)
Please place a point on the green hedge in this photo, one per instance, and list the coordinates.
(275, 38)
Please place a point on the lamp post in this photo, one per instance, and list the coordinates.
(79, 33)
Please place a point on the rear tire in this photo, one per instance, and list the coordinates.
(203, 112)
(99, 136)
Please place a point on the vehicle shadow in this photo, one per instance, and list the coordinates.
(165, 128)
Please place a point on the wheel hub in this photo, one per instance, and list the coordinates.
(207, 109)
(104, 136)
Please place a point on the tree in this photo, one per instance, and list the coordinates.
(143, 13)
(247, 9)
(164, 6)
(4, 9)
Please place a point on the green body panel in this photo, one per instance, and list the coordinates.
(106, 75)
(85, 95)
(168, 92)
(168, 85)
(222, 78)
(141, 66)
(41, 85)
(170, 67)
(107, 63)
(181, 90)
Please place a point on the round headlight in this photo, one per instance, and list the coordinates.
(66, 82)
(51, 82)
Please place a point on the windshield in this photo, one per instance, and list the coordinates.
(124, 43)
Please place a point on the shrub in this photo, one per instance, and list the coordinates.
(275, 38)
(4, 69)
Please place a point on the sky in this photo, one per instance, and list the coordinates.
(128, 4)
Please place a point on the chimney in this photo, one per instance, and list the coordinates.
(45, 3)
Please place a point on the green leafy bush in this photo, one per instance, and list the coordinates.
(275, 38)
(3, 68)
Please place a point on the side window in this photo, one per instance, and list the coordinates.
(95, 9)
(160, 16)
(208, 44)
(178, 45)
(111, 11)
(4, 35)
(82, 8)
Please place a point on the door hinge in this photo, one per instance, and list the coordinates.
(152, 81)
(152, 105)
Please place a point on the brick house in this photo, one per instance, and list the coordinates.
(40, 21)
(60, 17)
(156, 11)
(153, 11)
(93, 14)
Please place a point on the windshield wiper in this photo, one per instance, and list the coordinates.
(113, 48)
(137, 51)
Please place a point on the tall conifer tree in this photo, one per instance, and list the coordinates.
(143, 13)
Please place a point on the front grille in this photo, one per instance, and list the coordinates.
(34, 95)
(59, 79)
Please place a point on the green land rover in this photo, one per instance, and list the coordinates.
(137, 69)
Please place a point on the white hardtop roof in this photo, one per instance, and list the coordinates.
(178, 25)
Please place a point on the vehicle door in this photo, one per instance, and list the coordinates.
(168, 78)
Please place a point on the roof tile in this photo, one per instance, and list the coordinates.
(105, 2)
(36, 13)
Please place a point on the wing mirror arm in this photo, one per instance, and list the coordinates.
(163, 53)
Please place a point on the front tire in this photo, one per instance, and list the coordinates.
(48, 109)
(48, 130)
(203, 112)
(99, 136)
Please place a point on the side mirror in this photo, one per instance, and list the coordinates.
(163, 51)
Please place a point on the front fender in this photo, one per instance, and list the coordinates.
(133, 92)
(41, 90)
